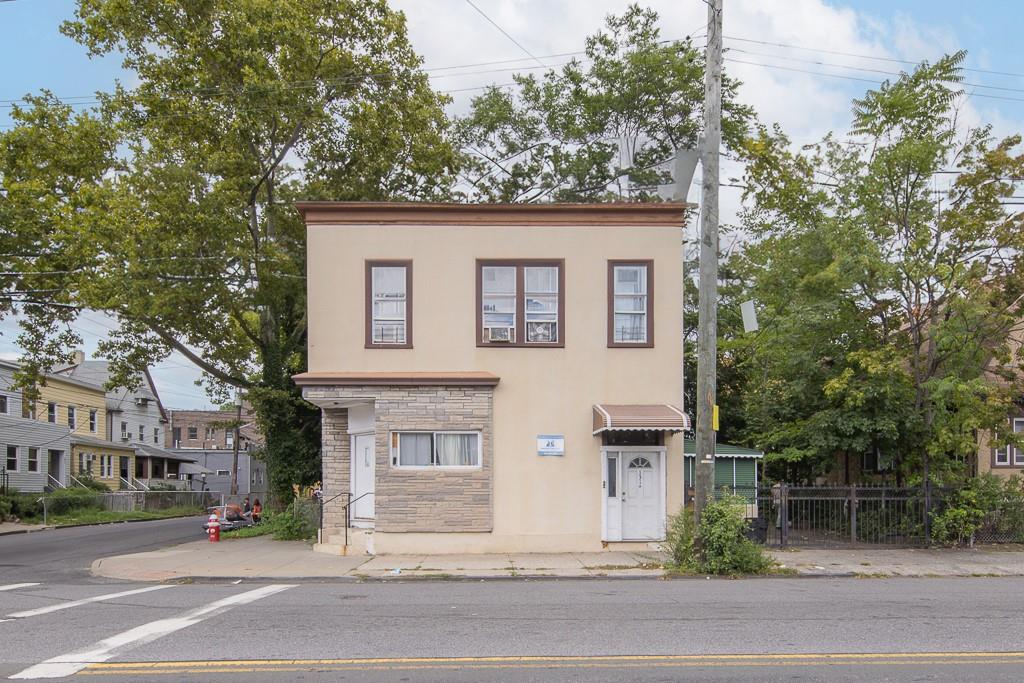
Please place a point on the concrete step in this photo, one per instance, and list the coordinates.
(360, 542)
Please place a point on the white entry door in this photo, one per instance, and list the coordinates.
(641, 495)
(363, 466)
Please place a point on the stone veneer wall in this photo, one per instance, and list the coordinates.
(336, 447)
(408, 500)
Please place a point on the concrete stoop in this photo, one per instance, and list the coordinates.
(360, 542)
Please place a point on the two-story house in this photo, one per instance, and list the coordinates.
(497, 377)
(134, 422)
(35, 454)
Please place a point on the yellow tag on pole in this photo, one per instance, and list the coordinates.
(714, 418)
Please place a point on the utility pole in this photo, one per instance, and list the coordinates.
(234, 445)
(707, 322)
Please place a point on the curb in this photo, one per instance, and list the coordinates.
(75, 526)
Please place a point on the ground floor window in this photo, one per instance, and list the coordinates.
(12, 458)
(435, 449)
(106, 466)
(33, 460)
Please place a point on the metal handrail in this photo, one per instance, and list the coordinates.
(77, 482)
(347, 507)
(140, 485)
(55, 481)
(128, 484)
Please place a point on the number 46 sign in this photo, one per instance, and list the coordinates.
(550, 444)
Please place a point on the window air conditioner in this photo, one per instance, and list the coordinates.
(499, 334)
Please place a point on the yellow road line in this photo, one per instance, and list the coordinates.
(607, 661)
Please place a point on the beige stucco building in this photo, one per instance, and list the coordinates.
(497, 377)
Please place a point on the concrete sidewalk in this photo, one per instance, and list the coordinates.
(263, 558)
(993, 560)
(19, 528)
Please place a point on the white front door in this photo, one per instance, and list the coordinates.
(362, 476)
(641, 495)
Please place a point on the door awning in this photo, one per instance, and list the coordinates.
(639, 416)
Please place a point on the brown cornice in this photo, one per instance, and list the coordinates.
(670, 214)
(379, 379)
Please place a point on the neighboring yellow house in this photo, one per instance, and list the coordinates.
(1007, 461)
(78, 405)
(81, 407)
(111, 464)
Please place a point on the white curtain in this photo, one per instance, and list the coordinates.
(456, 449)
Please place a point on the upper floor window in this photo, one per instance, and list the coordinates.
(72, 418)
(211, 433)
(51, 412)
(124, 430)
(520, 303)
(156, 435)
(193, 432)
(142, 433)
(4, 408)
(92, 420)
(630, 303)
(389, 304)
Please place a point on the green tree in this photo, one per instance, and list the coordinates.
(889, 304)
(600, 128)
(169, 206)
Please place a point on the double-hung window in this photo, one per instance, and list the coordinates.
(106, 466)
(435, 449)
(12, 459)
(193, 433)
(51, 412)
(4, 407)
(156, 435)
(389, 304)
(33, 460)
(520, 303)
(1009, 455)
(142, 433)
(92, 421)
(630, 303)
(72, 418)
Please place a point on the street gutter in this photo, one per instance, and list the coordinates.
(48, 527)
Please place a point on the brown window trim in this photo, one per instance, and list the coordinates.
(519, 265)
(368, 296)
(612, 344)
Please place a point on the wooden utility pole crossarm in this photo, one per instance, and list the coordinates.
(707, 337)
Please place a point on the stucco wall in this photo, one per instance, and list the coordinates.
(542, 390)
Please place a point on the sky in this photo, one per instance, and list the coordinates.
(799, 61)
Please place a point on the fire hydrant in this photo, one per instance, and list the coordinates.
(213, 529)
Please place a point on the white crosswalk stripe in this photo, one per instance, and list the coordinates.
(85, 601)
(16, 586)
(107, 649)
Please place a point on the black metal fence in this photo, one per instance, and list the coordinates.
(846, 516)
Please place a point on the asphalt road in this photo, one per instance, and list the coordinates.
(66, 554)
(594, 630)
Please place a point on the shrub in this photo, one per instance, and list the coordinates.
(291, 526)
(5, 507)
(66, 500)
(89, 483)
(725, 548)
(681, 541)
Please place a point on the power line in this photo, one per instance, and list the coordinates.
(860, 56)
(503, 31)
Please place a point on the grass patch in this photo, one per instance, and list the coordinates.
(89, 516)
(248, 531)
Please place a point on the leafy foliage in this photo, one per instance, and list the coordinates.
(887, 307)
(170, 205)
(598, 128)
(718, 544)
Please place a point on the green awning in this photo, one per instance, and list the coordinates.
(723, 450)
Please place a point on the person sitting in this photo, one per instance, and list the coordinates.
(246, 507)
(257, 511)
